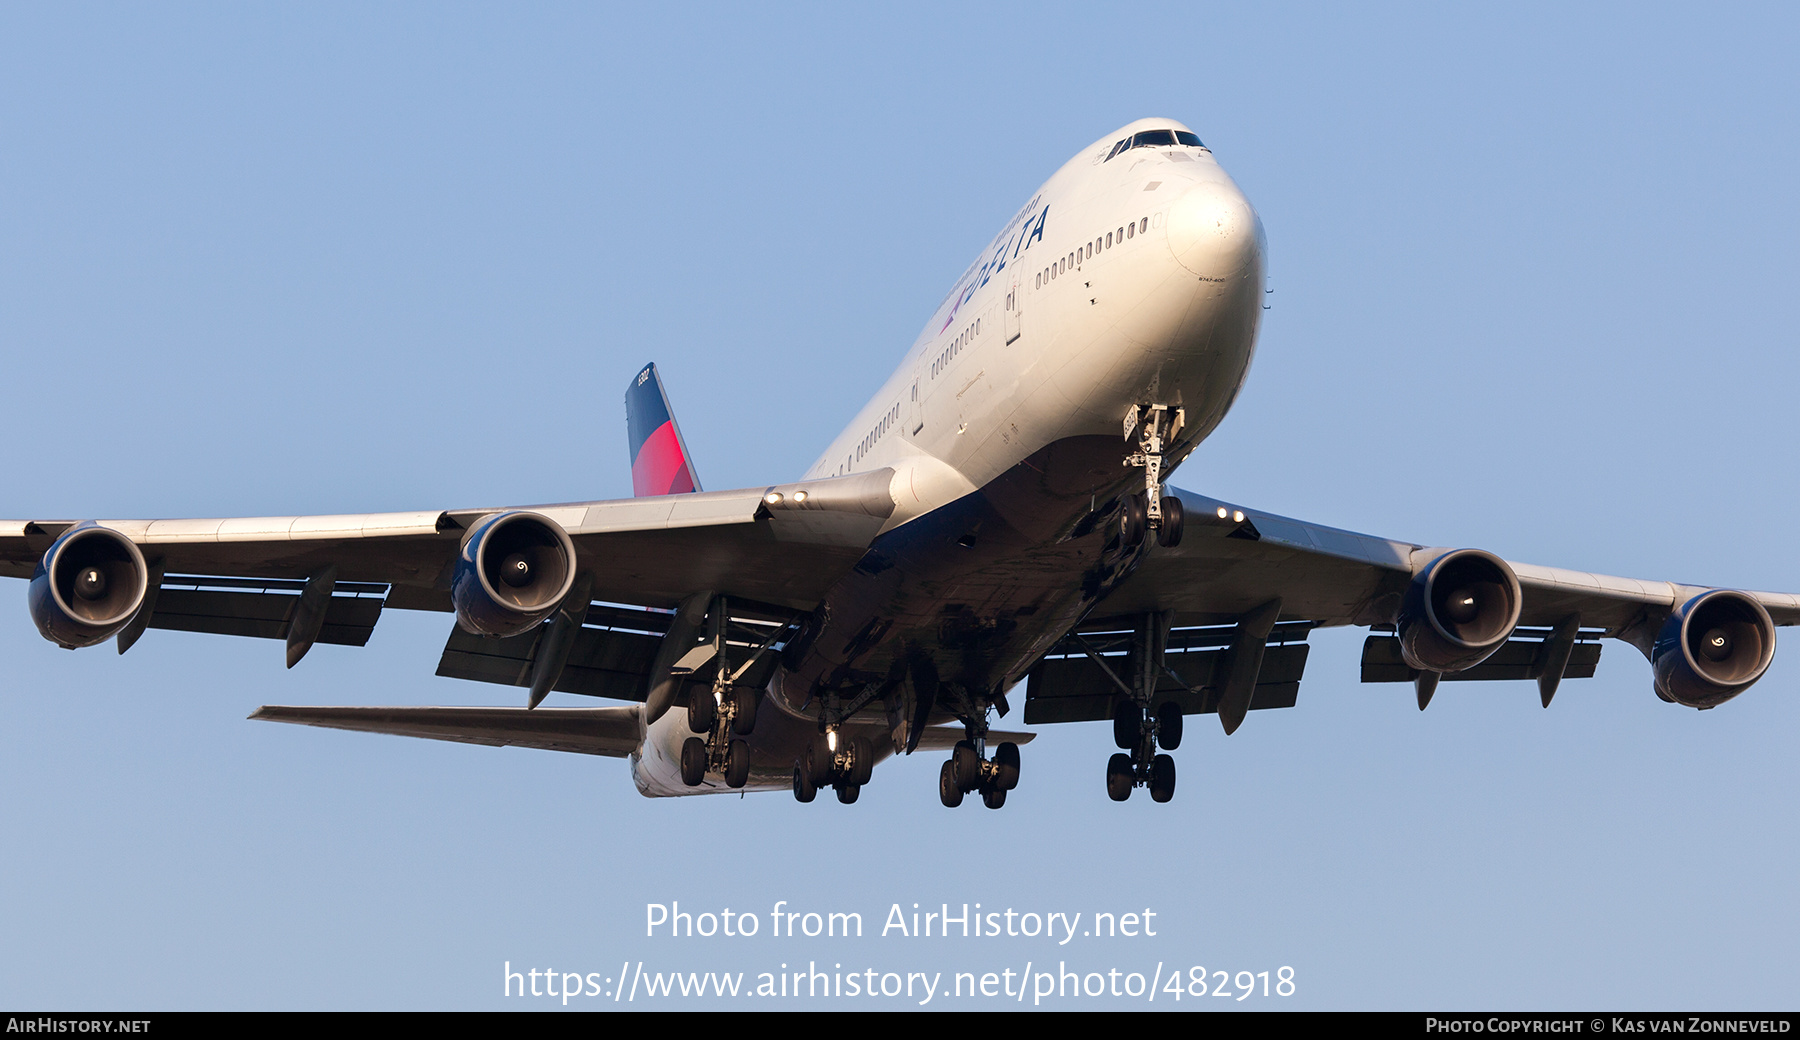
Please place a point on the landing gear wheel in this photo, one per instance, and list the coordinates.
(745, 720)
(1133, 518)
(701, 710)
(1169, 534)
(1162, 778)
(819, 761)
(1006, 762)
(1126, 720)
(965, 765)
(948, 793)
(862, 761)
(693, 761)
(804, 789)
(1168, 726)
(847, 792)
(737, 764)
(993, 798)
(1118, 778)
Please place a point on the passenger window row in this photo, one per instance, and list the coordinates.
(1087, 250)
(948, 354)
(887, 422)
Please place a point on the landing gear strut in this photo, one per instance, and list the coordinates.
(721, 714)
(1141, 725)
(1152, 427)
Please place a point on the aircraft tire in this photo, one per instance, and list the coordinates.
(1006, 758)
(1126, 720)
(1162, 778)
(1168, 726)
(966, 766)
(862, 761)
(948, 793)
(701, 710)
(747, 702)
(1118, 778)
(737, 764)
(693, 761)
(993, 797)
(804, 791)
(1169, 534)
(819, 761)
(1133, 518)
(847, 793)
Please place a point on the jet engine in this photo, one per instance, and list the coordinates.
(87, 586)
(1712, 648)
(515, 568)
(1458, 611)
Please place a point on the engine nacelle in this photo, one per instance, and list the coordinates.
(515, 569)
(1458, 611)
(87, 586)
(1712, 648)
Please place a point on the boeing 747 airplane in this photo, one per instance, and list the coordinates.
(992, 534)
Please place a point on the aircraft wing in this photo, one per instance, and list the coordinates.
(1224, 568)
(781, 545)
(1244, 587)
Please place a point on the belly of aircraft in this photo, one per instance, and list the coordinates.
(980, 587)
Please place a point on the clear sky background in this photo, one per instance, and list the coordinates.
(1533, 275)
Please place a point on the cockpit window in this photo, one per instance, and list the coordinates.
(1151, 138)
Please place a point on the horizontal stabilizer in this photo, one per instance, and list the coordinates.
(614, 731)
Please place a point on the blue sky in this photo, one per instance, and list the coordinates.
(1532, 273)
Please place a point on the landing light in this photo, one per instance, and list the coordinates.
(831, 739)
(773, 498)
(799, 496)
(1237, 517)
(1222, 513)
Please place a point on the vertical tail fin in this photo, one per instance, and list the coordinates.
(660, 464)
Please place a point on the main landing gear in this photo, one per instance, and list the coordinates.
(722, 714)
(1153, 427)
(1143, 721)
(968, 770)
(831, 760)
(1141, 734)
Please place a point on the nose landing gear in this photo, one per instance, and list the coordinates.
(1154, 426)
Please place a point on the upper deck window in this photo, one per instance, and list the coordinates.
(1151, 138)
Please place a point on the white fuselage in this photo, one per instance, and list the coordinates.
(1135, 279)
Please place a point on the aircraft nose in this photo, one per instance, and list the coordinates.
(1212, 230)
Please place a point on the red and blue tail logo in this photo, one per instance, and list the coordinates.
(659, 458)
